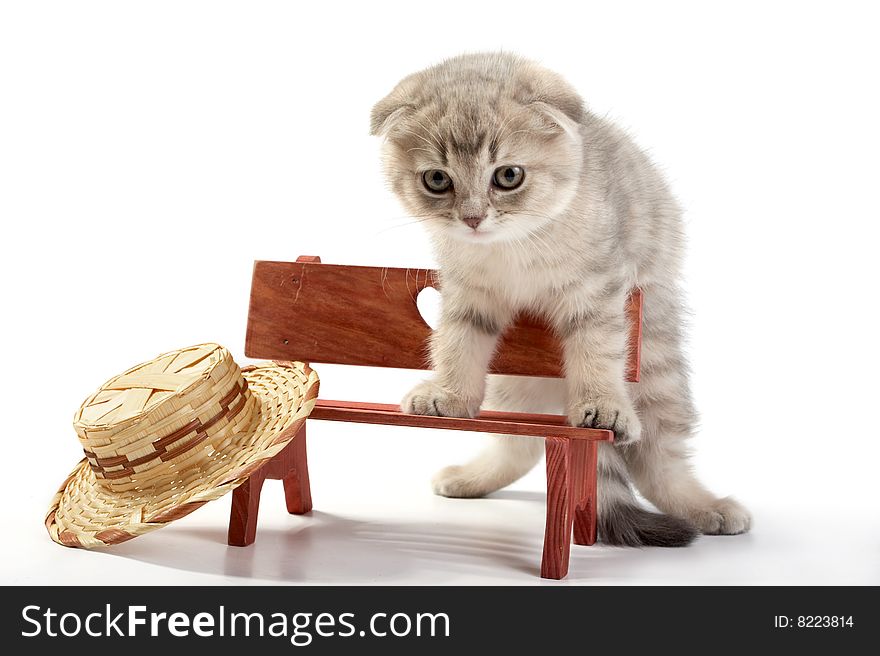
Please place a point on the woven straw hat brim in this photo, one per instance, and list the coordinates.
(85, 514)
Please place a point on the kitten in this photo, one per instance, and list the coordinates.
(536, 205)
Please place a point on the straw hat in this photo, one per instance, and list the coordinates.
(169, 435)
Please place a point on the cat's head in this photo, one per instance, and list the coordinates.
(482, 148)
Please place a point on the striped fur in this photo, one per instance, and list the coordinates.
(592, 219)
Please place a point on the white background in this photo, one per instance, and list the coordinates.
(149, 152)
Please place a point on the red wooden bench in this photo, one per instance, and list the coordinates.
(356, 315)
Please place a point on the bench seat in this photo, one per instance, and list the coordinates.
(505, 423)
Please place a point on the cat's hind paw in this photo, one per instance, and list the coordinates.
(725, 516)
(457, 482)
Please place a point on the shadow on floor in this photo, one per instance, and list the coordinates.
(324, 548)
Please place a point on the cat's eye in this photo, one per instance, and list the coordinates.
(508, 177)
(437, 181)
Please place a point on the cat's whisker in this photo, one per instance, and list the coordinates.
(418, 136)
(523, 131)
(434, 136)
(499, 131)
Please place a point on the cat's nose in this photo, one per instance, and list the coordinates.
(473, 221)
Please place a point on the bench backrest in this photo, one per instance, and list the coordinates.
(327, 313)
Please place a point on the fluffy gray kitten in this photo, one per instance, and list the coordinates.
(536, 205)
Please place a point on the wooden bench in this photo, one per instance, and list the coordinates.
(356, 315)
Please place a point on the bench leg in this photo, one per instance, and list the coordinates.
(291, 467)
(297, 492)
(557, 533)
(584, 456)
(245, 507)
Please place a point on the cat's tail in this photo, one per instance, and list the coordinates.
(623, 522)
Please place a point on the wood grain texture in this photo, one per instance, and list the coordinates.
(359, 315)
(289, 466)
(323, 313)
(584, 456)
(506, 423)
(295, 476)
(245, 510)
(634, 308)
(557, 531)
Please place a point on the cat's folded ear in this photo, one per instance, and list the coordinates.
(555, 120)
(558, 104)
(388, 112)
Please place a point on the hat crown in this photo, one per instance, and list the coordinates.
(139, 424)
(139, 390)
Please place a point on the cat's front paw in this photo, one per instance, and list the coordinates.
(428, 398)
(617, 415)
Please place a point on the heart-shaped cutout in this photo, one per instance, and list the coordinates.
(428, 302)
